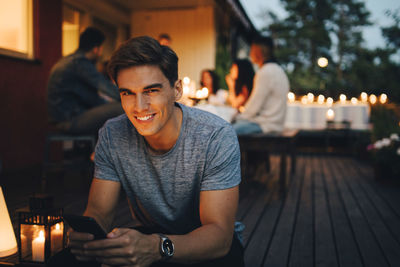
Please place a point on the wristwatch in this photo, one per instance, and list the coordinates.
(166, 247)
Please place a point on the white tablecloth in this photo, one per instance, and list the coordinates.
(225, 112)
(313, 116)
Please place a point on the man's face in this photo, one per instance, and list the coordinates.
(256, 55)
(148, 100)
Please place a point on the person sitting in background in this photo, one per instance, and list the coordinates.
(209, 79)
(73, 88)
(265, 109)
(164, 39)
(240, 82)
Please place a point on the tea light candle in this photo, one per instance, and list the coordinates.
(310, 97)
(329, 101)
(354, 101)
(56, 238)
(304, 100)
(383, 98)
(330, 115)
(342, 98)
(372, 99)
(291, 97)
(38, 247)
(364, 97)
(321, 99)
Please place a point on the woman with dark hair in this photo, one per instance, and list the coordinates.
(209, 79)
(240, 82)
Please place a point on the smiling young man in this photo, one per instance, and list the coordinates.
(179, 167)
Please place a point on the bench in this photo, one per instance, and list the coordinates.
(283, 143)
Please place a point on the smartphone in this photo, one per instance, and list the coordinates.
(85, 224)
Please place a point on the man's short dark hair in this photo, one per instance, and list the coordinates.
(144, 50)
(90, 39)
(267, 44)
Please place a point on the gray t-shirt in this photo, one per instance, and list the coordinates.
(164, 190)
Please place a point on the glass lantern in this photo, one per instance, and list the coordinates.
(41, 231)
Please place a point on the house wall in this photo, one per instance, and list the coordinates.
(23, 115)
(192, 31)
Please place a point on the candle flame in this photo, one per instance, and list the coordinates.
(58, 226)
(329, 101)
(321, 99)
(330, 114)
(291, 96)
(372, 99)
(364, 97)
(354, 101)
(310, 97)
(342, 98)
(186, 80)
(383, 98)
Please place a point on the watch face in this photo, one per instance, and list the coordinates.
(168, 247)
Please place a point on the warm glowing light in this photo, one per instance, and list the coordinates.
(364, 97)
(354, 101)
(322, 62)
(342, 98)
(304, 99)
(38, 247)
(203, 93)
(321, 99)
(310, 97)
(186, 90)
(329, 101)
(186, 80)
(330, 115)
(372, 99)
(8, 244)
(383, 98)
(291, 97)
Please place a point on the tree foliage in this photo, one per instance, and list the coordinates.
(333, 29)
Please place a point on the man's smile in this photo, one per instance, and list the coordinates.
(145, 118)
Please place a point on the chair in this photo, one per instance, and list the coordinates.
(73, 163)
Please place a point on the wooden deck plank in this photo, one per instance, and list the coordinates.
(302, 250)
(370, 250)
(278, 253)
(325, 243)
(385, 239)
(346, 244)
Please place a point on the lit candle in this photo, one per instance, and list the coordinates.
(372, 99)
(38, 247)
(321, 99)
(310, 97)
(304, 100)
(56, 238)
(383, 98)
(291, 97)
(186, 80)
(354, 101)
(330, 115)
(329, 101)
(364, 97)
(342, 98)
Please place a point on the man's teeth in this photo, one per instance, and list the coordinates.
(145, 118)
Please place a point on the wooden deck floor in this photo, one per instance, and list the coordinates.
(333, 214)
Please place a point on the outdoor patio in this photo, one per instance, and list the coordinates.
(333, 214)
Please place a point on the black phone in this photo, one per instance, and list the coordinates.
(85, 224)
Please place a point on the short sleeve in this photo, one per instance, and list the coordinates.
(104, 166)
(222, 168)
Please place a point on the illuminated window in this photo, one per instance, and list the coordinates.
(16, 28)
(70, 30)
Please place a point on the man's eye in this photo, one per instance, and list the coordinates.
(151, 91)
(125, 93)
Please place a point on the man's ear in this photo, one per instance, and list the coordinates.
(178, 89)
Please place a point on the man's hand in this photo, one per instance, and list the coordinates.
(123, 247)
(76, 242)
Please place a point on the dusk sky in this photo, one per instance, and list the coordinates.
(372, 34)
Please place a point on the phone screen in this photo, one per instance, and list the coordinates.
(85, 224)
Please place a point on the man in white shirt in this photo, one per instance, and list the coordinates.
(265, 110)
